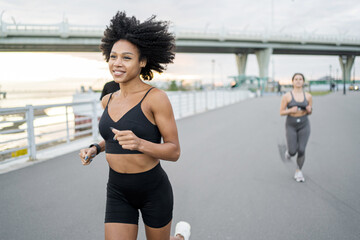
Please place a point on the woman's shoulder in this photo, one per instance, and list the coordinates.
(308, 95)
(158, 98)
(287, 96)
(105, 99)
(158, 94)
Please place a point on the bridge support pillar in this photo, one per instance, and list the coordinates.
(263, 58)
(346, 63)
(241, 59)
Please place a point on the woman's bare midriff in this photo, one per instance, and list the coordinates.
(131, 163)
(298, 113)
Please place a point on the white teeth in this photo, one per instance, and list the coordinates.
(117, 72)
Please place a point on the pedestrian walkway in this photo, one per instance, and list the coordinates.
(230, 182)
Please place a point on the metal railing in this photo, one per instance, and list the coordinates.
(25, 131)
(66, 30)
(192, 102)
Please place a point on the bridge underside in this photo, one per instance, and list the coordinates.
(253, 47)
(182, 49)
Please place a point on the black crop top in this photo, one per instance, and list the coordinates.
(133, 120)
(301, 105)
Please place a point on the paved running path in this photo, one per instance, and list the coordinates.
(230, 182)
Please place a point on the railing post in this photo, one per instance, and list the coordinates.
(206, 100)
(94, 120)
(194, 102)
(31, 132)
(224, 97)
(216, 98)
(67, 125)
(188, 102)
(179, 104)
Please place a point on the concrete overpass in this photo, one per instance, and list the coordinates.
(64, 37)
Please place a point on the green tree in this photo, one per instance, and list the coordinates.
(173, 86)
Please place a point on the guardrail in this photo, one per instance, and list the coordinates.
(66, 30)
(191, 102)
(25, 131)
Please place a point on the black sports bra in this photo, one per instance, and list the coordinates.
(134, 120)
(301, 105)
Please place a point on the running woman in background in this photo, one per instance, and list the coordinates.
(134, 121)
(109, 87)
(297, 105)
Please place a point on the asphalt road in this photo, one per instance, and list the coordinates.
(230, 182)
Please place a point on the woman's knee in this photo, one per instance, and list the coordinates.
(301, 152)
(162, 233)
(292, 152)
(123, 231)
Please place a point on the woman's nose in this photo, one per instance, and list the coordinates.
(118, 62)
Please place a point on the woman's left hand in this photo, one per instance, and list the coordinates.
(308, 109)
(127, 139)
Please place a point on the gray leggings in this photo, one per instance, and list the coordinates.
(297, 136)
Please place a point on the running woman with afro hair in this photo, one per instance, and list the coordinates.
(134, 121)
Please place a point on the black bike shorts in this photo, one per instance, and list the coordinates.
(150, 192)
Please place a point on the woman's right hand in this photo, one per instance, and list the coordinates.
(87, 154)
(294, 109)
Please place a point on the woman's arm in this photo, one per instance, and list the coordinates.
(87, 154)
(284, 102)
(165, 120)
(309, 106)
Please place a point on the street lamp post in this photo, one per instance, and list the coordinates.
(337, 78)
(1, 14)
(1, 21)
(354, 76)
(330, 80)
(344, 59)
(212, 72)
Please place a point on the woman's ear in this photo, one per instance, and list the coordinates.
(143, 62)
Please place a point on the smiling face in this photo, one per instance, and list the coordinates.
(124, 62)
(298, 81)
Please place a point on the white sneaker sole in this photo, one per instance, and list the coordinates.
(300, 179)
(183, 228)
(287, 156)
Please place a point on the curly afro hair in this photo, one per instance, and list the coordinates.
(151, 37)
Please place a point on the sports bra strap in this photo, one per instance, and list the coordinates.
(146, 94)
(292, 96)
(109, 99)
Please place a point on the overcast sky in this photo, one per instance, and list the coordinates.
(311, 16)
(341, 16)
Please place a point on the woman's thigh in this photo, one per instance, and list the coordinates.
(120, 231)
(158, 233)
(291, 139)
(304, 134)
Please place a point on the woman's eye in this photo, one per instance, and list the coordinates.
(127, 58)
(112, 56)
